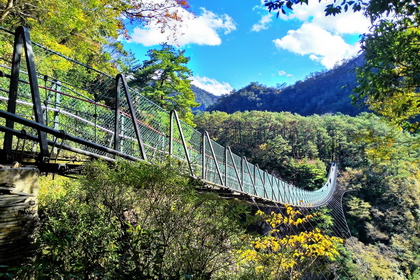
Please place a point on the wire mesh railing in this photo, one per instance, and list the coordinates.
(114, 120)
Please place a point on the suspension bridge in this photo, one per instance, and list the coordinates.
(56, 113)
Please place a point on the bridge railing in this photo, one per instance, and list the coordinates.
(64, 104)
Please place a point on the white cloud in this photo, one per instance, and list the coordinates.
(319, 44)
(344, 23)
(211, 85)
(223, 22)
(320, 36)
(284, 73)
(201, 30)
(262, 24)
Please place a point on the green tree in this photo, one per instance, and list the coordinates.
(165, 79)
(388, 82)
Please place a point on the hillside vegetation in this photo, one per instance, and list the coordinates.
(378, 162)
(204, 98)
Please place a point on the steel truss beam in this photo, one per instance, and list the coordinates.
(23, 41)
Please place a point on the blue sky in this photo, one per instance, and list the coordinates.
(232, 43)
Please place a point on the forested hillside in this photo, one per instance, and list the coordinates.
(320, 93)
(377, 162)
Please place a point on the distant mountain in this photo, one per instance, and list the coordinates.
(320, 93)
(203, 97)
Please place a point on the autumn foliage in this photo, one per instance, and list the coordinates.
(290, 256)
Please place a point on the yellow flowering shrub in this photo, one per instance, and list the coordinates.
(279, 255)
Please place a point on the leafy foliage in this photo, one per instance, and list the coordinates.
(330, 9)
(133, 222)
(388, 82)
(374, 9)
(289, 256)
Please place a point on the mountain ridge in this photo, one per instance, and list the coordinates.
(320, 93)
(203, 97)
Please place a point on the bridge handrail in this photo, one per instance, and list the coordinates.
(133, 128)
